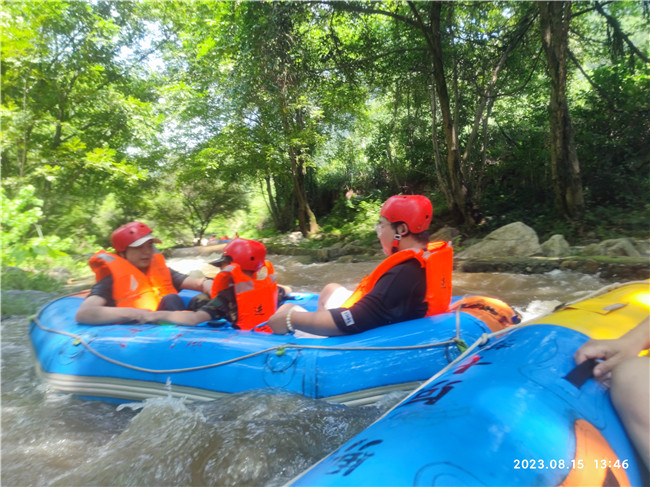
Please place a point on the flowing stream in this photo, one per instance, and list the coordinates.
(258, 438)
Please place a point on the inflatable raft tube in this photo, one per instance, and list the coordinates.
(122, 363)
(513, 412)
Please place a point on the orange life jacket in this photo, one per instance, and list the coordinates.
(496, 314)
(257, 299)
(437, 261)
(132, 288)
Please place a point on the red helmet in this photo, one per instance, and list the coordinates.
(249, 254)
(132, 233)
(414, 210)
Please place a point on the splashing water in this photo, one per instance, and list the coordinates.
(259, 438)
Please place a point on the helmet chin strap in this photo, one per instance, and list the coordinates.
(396, 240)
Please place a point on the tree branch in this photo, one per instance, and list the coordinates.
(600, 91)
(353, 7)
(487, 99)
(587, 10)
(376, 57)
(530, 75)
(614, 24)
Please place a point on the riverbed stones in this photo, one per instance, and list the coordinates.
(202, 250)
(617, 247)
(556, 246)
(513, 240)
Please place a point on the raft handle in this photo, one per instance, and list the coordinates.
(582, 372)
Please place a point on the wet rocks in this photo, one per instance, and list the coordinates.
(513, 240)
(621, 259)
(446, 234)
(17, 302)
(618, 247)
(513, 248)
(556, 246)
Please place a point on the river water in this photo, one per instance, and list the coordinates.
(258, 438)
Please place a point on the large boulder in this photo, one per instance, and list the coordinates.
(513, 240)
(643, 246)
(556, 246)
(618, 247)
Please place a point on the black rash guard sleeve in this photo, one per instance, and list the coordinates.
(177, 278)
(397, 296)
(104, 289)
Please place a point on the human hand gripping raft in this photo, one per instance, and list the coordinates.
(629, 377)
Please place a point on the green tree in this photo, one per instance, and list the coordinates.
(612, 113)
(23, 242)
(555, 18)
(499, 30)
(252, 73)
(75, 110)
(204, 194)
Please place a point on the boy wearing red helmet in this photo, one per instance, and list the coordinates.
(135, 281)
(412, 282)
(245, 292)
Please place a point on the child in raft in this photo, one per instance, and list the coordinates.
(245, 292)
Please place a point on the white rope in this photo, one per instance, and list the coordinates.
(483, 339)
(281, 348)
(480, 341)
(456, 340)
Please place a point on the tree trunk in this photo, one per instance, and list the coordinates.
(565, 167)
(461, 205)
(306, 218)
(441, 171)
(270, 201)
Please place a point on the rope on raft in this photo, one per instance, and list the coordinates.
(279, 349)
(482, 340)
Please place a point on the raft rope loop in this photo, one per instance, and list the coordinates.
(279, 349)
(482, 340)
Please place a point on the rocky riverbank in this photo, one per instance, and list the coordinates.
(619, 269)
(514, 248)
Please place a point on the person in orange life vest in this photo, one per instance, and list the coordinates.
(245, 292)
(629, 376)
(134, 282)
(412, 282)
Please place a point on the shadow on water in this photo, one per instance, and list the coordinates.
(254, 438)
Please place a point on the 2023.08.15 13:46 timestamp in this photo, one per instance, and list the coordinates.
(553, 464)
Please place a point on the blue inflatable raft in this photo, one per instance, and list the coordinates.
(122, 363)
(515, 411)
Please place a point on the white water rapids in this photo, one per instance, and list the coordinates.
(257, 438)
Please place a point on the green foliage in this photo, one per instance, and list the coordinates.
(74, 111)
(23, 243)
(254, 222)
(612, 130)
(14, 278)
(216, 117)
(354, 217)
(611, 222)
(201, 198)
